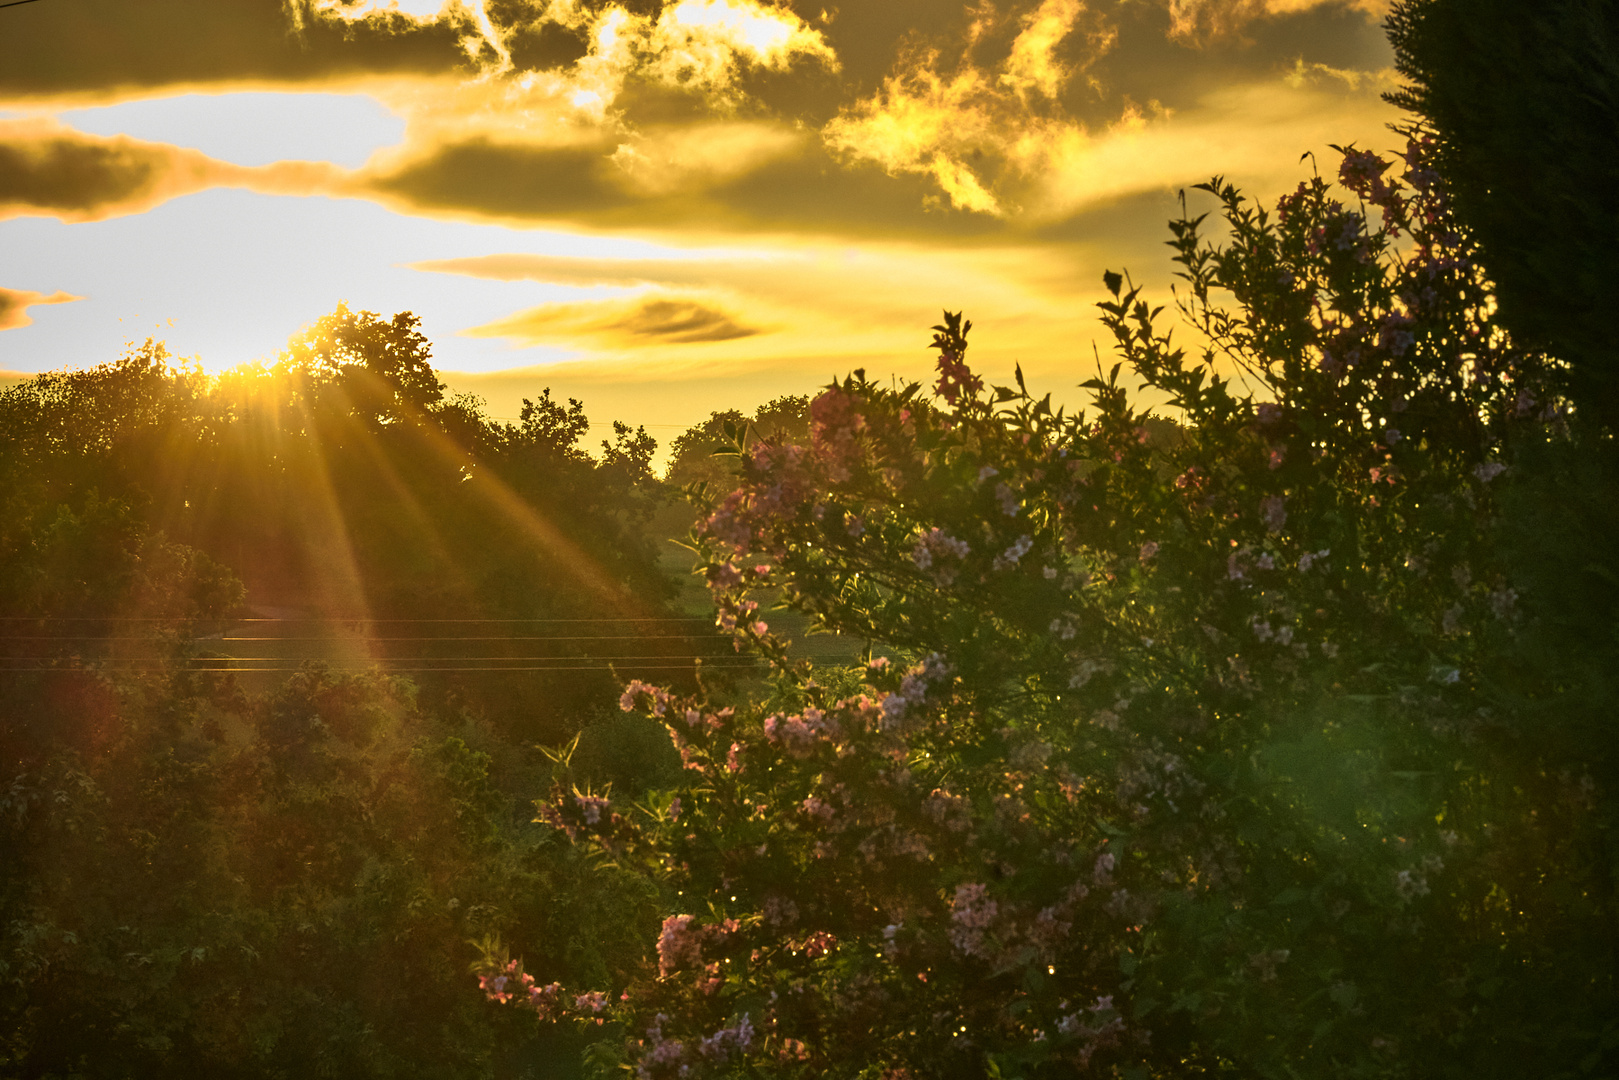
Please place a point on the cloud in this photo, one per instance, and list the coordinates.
(14, 305)
(698, 46)
(593, 136)
(630, 322)
(998, 138)
(585, 272)
(650, 117)
(824, 305)
(99, 50)
(1033, 66)
(468, 20)
(1201, 22)
(702, 43)
(700, 156)
(962, 126)
(1250, 133)
(50, 170)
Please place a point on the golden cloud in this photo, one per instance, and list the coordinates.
(1032, 65)
(628, 322)
(824, 305)
(693, 157)
(14, 305)
(1200, 22)
(467, 19)
(1251, 134)
(695, 45)
(953, 127)
(47, 169)
(996, 140)
(577, 111)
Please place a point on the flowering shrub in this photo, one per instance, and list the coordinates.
(1191, 766)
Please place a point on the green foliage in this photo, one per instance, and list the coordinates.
(276, 887)
(359, 364)
(1229, 747)
(706, 453)
(291, 883)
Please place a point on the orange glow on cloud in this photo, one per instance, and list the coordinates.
(14, 305)
(820, 184)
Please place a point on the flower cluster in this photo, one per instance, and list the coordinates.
(1147, 683)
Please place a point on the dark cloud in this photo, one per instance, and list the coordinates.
(1147, 64)
(538, 46)
(806, 192)
(682, 321)
(50, 170)
(77, 175)
(625, 323)
(868, 37)
(516, 181)
(92, 46)
(1121, 54)
(818, 195)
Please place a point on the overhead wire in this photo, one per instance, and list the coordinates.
(342, 619)
(379, 670)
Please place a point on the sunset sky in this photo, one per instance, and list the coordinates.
(660, 209)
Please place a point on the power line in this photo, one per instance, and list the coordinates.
(368, 638)
(383, 659)
(366, 666)
(381, 671)
(16, 3)
(338, 619)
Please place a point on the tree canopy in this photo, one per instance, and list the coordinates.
(1523, 101)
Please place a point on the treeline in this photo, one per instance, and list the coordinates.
(340, 485)
(214, 864)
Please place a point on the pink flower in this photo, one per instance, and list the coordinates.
(779, 911)
(628, 700)
(679, 943)
(818, 808)
(819, 944)
(1273, 511)
(935, 544)
(1007, 498)
(1362, 172)
(956, 379)
(972, 912)
(791, 733)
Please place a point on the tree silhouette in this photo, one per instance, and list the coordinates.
(1524, 102)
